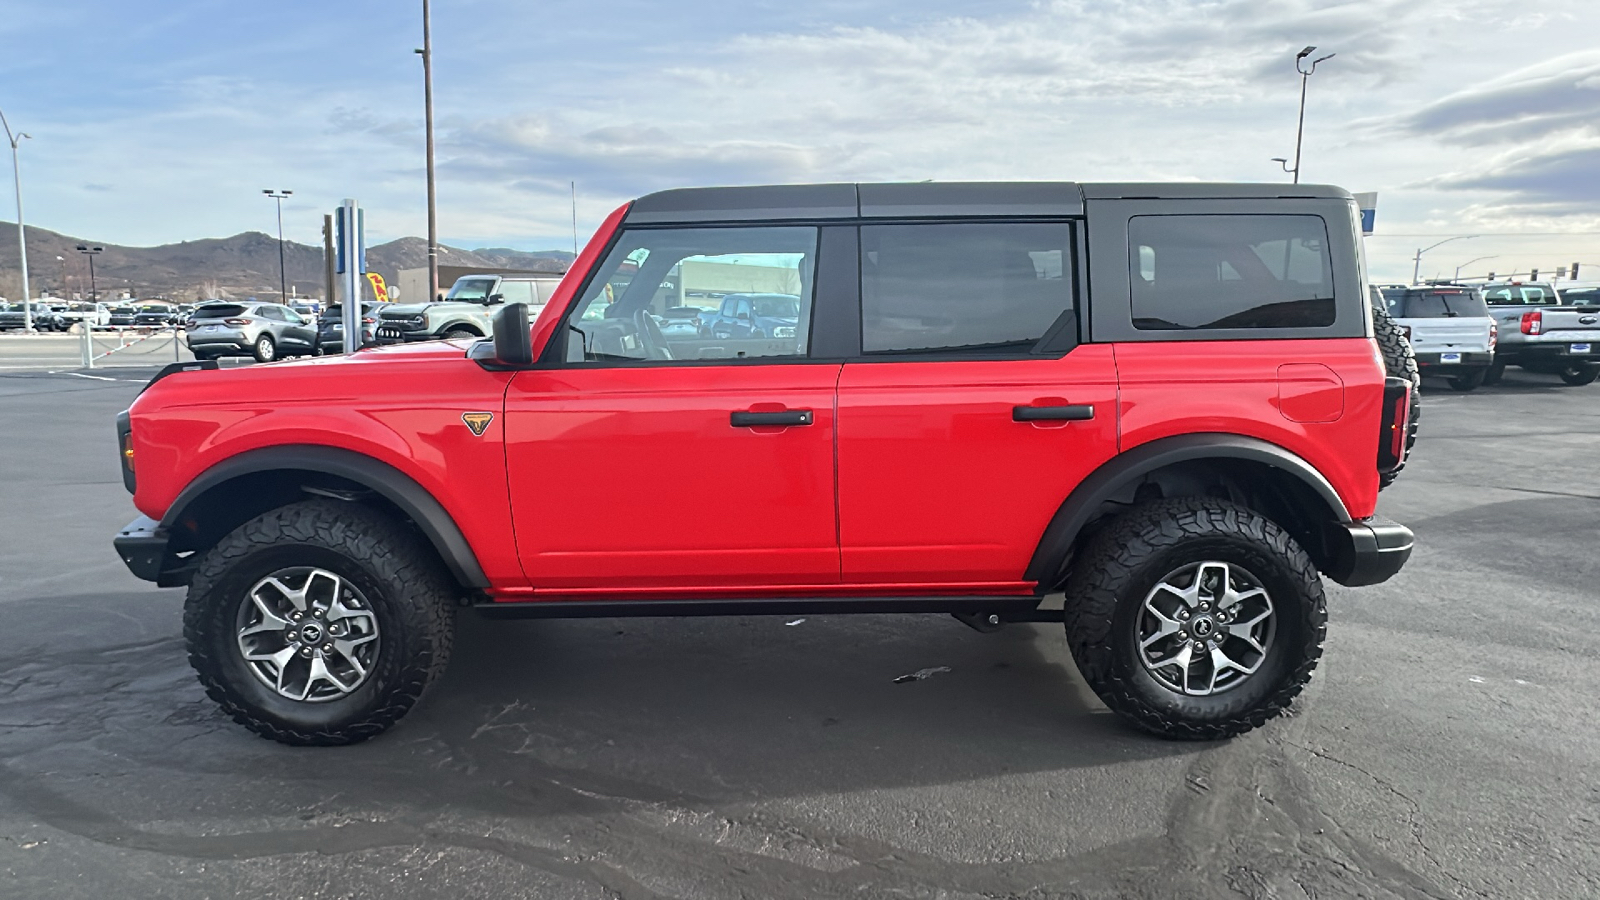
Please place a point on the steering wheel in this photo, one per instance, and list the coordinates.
(655, 343)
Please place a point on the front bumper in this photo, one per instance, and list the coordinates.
(1367, 552)
(143, 547)
(396, 334)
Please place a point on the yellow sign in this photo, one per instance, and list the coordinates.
(477, 421)
(380, 291)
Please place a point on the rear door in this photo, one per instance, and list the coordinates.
(644, 464)
(972, 410)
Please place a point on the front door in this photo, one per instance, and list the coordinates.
(973, 411)
(642, 464)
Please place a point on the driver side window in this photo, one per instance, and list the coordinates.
(623, 313)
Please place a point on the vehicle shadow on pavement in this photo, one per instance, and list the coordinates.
(573, 717)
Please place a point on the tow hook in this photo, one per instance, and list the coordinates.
(983, 622)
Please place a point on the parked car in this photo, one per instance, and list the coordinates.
(123, 316)
(65, 316)
(307, 310)
(15, 316)
(465, 311)
(330, 326)
(155, 315)
(1541, 333)
(1450, 330)
(753, 316)
(962, 423)
(265, 331)
(681, 321)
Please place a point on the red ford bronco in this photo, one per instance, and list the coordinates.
(1168, 402)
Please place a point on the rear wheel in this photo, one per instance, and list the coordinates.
(318, 623)
(1468, 381)
(1195, 618)
(1579, 374)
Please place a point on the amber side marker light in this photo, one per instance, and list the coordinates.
(127, 451)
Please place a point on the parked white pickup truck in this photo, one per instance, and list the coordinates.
(1449, 328)
(1542, 333)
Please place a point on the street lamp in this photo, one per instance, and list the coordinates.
(1300, 128)
(427, 102)
(1457, 276)
(91, 252)
(1416, 268)
(22, 243)
(283, 279)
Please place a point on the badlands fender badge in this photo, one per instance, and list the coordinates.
(477, 421)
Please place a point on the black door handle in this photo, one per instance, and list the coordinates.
(782, 417)
(1077, 412)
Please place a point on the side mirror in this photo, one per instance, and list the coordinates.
(513, 340)
(494, 298)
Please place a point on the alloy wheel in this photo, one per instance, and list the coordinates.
(1205, 628)
(307, 634)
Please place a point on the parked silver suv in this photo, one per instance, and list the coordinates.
(1449, 328)
(265, 331)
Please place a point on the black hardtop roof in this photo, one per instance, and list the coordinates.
(930, 199)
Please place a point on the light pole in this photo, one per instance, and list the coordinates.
(1469, 262)
(1416, 267)
(427, 103)
(94, 296)
(283, 279)
(66, 288)
(22, 243)
(1300, 127)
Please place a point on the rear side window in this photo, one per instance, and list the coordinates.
(518, 292)
(1230, 271)
(963, 286)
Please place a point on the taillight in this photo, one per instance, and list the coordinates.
(1532, 322)
(1395, 423)
(1494, 335)
(237, 321)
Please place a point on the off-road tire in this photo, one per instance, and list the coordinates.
(1127, 558)
(1577, 376)
(459, 334)
(1495, 373)
(398, 574)
(1468, 381)
(265, 349)
(1400, 362)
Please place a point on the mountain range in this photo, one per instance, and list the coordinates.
(239, 266)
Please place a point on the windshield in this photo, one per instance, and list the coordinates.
(776, 307)
(1438, 303)
(470, 289)
(155, 309)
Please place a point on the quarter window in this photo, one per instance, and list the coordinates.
(669, 276)
(993, 286)
(1191, 272)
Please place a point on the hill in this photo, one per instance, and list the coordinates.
(239, 266)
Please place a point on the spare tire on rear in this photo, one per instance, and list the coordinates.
(1398, 362)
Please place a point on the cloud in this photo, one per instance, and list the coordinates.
(1561, 178)
(1532, 102)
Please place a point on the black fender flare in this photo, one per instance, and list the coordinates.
(1103, 483)
(463, 324)
(397, 487)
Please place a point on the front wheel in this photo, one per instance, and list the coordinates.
(1468, 381)
(318, 623)
(459, 334)
(1195, 618)
(266, 350)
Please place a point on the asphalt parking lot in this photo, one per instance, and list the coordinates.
(1447, 747)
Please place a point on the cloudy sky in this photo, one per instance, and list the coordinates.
(161, 120)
